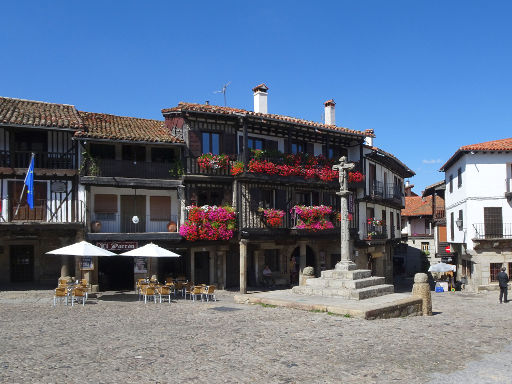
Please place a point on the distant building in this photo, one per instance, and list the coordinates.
(418, 233)
(479, 212)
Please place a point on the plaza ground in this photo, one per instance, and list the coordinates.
(116, 339)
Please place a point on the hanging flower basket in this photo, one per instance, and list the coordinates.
(209, 223)
(314, 217)
(273, 217)
(210, 161)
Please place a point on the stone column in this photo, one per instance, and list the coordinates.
(224, 272)
(345, 262)
(243, 266)
(219, 265)
(421, 288)
(64, 268)
(192, 265)
(212, 268)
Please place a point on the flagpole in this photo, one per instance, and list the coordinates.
(24, 185)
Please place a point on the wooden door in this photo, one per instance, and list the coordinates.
(132, 205)
(442, 234)
(25, 213)
(22, 263)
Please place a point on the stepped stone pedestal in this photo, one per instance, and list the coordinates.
(346, 281)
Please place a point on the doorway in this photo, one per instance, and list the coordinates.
(132, 205)
(202, 267)
(22, 263)
(115, 273)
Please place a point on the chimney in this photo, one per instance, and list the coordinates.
(370, 133)
(330, 117)
(260, 98)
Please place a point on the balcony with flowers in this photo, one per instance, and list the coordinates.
(375, 229)
(209, 222)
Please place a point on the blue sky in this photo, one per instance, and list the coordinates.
(428, 76)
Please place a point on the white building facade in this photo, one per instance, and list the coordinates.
(479, 211)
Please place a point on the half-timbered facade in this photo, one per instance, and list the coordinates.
(45, 130)
(242, 158)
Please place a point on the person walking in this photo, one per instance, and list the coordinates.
(503, 281)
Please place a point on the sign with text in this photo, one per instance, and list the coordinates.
(119, 246)
(86, 263)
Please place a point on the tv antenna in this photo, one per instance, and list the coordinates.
(223, 91)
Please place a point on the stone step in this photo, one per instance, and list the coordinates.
(328, 292)
(325, 282)
(377, 290)
(352, 275)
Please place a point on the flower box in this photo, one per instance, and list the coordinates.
(313, 217)
(209, 223)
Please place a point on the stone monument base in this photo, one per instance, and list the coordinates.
(346, 281)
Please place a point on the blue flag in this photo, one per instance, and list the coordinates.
(29, 182)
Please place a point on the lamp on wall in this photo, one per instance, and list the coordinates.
(458, 222)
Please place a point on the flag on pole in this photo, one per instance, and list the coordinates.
(29, 182)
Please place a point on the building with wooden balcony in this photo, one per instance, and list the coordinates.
(479, 211)
(420, 230)
(131, 171)
(259, 163)
(45, 130)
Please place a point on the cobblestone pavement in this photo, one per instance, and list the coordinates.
(115, 339)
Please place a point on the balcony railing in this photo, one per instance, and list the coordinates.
(375, 232)
(193, 168)
(46, 160)
(119, 223)
(377, 188)
(131, 169)
(44, 211)
(393, 192)
(439, 214)
(491, 231)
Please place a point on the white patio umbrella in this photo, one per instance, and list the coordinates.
(442, 267)
(150, 250)
(83, 248)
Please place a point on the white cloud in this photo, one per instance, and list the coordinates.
(431, 161)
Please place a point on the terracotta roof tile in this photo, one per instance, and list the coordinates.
(184, 107)
(420, 206)
(103, 126)
(495, 145)
(38, 113)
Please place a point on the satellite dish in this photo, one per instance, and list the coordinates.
(135, 219)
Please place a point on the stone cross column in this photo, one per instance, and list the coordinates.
(346, 262)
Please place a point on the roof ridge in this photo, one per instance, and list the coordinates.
(36, 101)
(270, 115)
(485, 142)
(128, 117)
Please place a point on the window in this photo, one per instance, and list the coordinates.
(160, 208)
(451, 183)
(211, 143)
(134, 153)
(452, 228)
(493, 222)
(495, 268)
(298, 148)
(162, 155)
(212, 196)
(267, 198)
(466, 268)
(459, 177)
(254, 143)
(460, 225)
(425, 247)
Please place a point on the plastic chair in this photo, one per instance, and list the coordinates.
(209, 293)
(60, 294)
(78, 294)
(187, 290)
(197, 291)
(164, 291)
(148, 291)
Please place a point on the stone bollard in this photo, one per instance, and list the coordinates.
(307, 273)
(421, 288)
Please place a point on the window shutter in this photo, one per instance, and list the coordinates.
(104, 203)
(194, 143)
(310, 148)
(160, 207)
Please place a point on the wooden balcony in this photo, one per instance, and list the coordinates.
(42, 160)
(44, 212)
(130, 169)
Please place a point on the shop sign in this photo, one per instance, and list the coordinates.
(121, 246)
(86, 263)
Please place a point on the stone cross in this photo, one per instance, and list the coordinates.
(343, 167)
